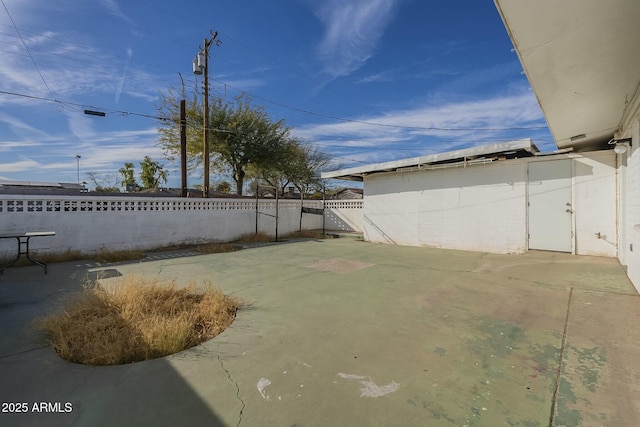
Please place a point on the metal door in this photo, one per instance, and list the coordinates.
(550, 210)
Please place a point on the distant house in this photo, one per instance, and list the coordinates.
(33, 187)
(348, 194)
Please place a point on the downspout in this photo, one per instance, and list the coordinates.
(618, 163)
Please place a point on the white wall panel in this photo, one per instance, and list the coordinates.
(595, 199)
(475, 208)
(629, 219)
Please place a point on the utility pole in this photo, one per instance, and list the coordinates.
(183, 148)
(78, 156)
(200, 65)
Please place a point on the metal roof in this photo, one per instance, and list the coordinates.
(12, 183)
(479, 154)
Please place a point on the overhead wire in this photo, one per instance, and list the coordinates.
(321, 115)
(27, 48)
(284, 106)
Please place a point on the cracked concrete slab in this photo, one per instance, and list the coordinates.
(418, 337)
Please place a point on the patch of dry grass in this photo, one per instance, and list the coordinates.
(73, 255)
(260, 237)
(308, 234)
(105, 255)
(66, 256)
(69, 255)
(216, 248)
(138, 319)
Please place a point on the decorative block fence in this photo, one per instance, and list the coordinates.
(89, 224)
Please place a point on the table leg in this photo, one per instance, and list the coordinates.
(10, 263)
(33, 260)
(24, 252)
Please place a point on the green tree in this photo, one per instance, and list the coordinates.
(152, 173)
(300, 165)
(223, 187)
(242, 136)
(306, 167)
(169, 126)
(128, 175)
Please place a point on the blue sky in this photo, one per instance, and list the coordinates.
(363, 80)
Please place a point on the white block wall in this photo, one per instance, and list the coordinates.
(478, 208)
(88, 224)
(629, 205)
(484, 207)
(595, 204)
(343, 215)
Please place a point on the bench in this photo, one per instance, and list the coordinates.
(23, 247)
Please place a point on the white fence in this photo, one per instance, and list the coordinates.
(89, 224)
(343, 215)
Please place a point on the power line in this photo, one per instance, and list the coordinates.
(27, 49)
(386, 125)
(332, 117)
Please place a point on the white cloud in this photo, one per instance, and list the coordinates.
(384, 76)
(124, 75)
(352, 32)
(19, 166)
(72, 70)
(19, 127)
(114, 8)
(433, 127)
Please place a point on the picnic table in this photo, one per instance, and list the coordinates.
(23, 247)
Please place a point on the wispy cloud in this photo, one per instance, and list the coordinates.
(383, 76)
(19, 166)
(19, 127)
(113, 7)
(353, 29)
(107, 151)
(68, 72)
(431, 127)
(124, 75)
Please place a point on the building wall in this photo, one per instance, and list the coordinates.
(595, 204)
(484, 207)
(480, 208)
(629, 205)
(88, 224)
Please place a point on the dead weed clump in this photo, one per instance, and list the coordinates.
(259, 237)
(105, 255)
(138, 319)
(217, 248)
(308, 234)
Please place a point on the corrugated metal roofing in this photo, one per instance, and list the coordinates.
(512, 149)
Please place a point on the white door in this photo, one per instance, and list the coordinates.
(550, 210)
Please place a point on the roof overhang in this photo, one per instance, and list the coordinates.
(503, 150)
(581, 59)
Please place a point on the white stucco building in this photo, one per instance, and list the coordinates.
(580, 58)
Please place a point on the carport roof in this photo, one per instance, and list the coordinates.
(580, 57)
(479, 154)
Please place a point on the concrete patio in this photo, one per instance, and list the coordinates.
(346, 333)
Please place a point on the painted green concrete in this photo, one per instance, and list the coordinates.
(346, 333)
